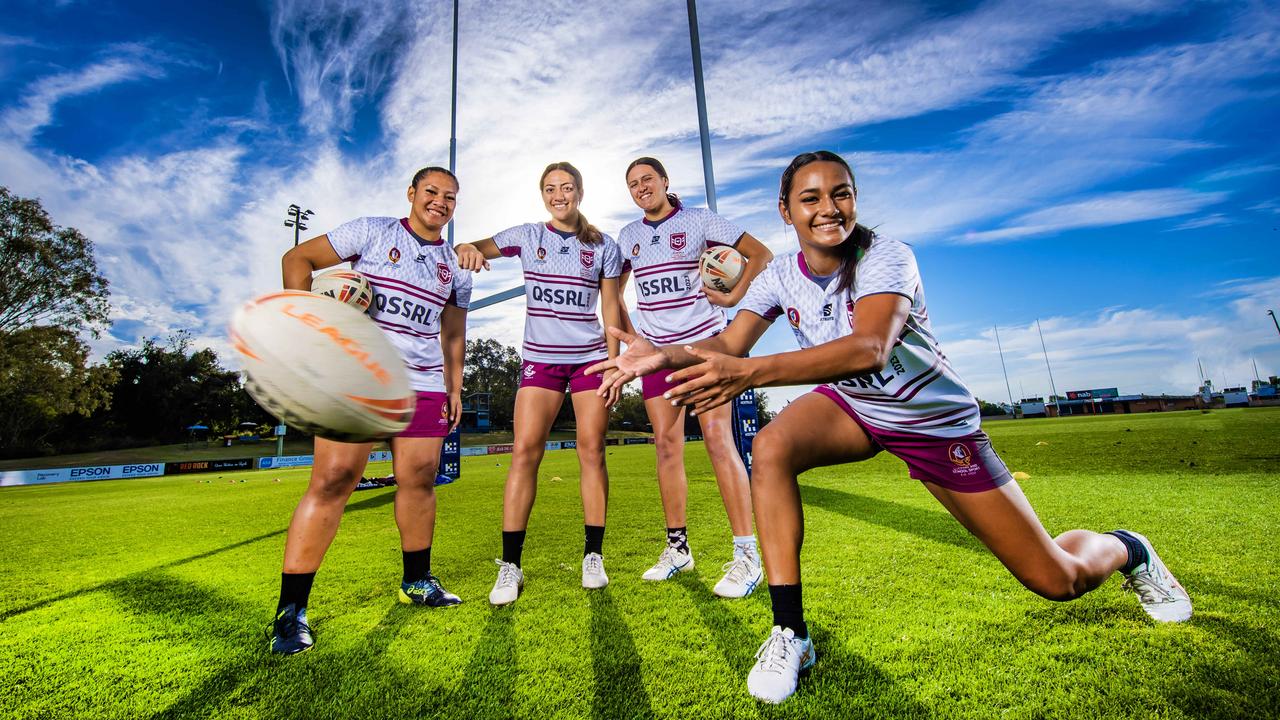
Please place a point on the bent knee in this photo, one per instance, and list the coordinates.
(1058, 584)
(334, 482)
(772, 449)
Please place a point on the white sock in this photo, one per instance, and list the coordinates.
(745, 545)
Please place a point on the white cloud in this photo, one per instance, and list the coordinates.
(1105, 210)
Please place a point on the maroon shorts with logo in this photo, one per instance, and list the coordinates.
(655, 384)
(962, 464)
(559, 377)
(430, 416)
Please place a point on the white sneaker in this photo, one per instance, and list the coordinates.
(593, 577)
(741, 576)
(779, 662)
(670, 562)
(510, 583)
(1160, 593)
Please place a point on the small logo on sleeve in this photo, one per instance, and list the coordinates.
(793, 316)
(635, 250)
(393, 255)
(444, 274)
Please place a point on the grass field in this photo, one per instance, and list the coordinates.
(148, 598)
(214, 450)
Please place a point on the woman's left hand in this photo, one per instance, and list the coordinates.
(455, 410)
(718, 379)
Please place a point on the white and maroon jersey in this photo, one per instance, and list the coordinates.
(917, 391)
(561, 283)
(664, 257)
(413, 279)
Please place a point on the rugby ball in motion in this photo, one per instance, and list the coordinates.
(347, 286)
(721, 267)
(322, 367)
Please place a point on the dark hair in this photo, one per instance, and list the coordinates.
(417, 177)
(672, 198)
(859, 240)
(585, 231)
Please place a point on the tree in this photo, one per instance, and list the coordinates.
(494, 368)
(629, 412)
(986, 409)
(763, 414)
(48, 274)
(43, 379)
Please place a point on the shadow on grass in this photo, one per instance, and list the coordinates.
(844, 684)
(737, 644)
(1244, 686)
(927, 524)
(488, 684)
(110, 585)
(619, 681)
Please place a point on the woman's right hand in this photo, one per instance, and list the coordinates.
(469, 258)
(639, 359)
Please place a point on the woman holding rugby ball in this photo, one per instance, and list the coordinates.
(421, 299)
(567, 263)
(662, 249)
(856, 304)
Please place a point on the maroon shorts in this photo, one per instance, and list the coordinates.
(655, 384)
(430, 416)
(963, 464)
(559, 377)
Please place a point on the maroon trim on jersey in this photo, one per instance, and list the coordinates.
(424, 368)
(668, 304)
(404, 329)
(562, 233)
(734, 244)
(655, 223)
(651, 269)
(769, 315)
(588, 346)
(673, 337)
(573, 350)
(406, 288)
(925, 378)
(561, 279)
(404, 223)
(626, 267)
(939, 416)
(510, 251)
(551, 314)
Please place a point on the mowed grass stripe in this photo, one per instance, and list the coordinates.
(147, 598)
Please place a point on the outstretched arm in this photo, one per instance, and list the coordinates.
(475, 256)
(298, 264)
(877, 322)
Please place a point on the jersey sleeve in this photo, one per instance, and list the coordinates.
(350, 238)
(719, 231)
(762, 296)
(461, 297)
(888, 266)
(611, 266)
(511, 240)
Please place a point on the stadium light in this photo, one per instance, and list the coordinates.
(297, 220)
(1272, 313)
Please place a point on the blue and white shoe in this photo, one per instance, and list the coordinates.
(1159, 592)
(779, 662)
(290, 633)
(428, 591)
(742, 575)
(670, 562)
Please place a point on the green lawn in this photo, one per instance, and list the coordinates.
(213, 450)
(148, 598)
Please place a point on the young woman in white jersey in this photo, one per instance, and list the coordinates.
(567, 263)
(420, 302)
(663, 249)
(856, 304)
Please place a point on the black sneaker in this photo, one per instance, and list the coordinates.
(429, 592)
(290, 633)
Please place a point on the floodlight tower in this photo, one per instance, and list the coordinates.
(297, 220)
(699, 91)
(1272, 313)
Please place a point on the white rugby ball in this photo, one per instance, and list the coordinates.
(322, 367)
(721, 267)
(346, 286)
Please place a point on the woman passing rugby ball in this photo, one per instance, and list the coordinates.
(856, 304)
(420, 302)
(567, 264)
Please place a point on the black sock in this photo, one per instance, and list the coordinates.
(678, 538)
(417, 564)
(295, 589)
(788, 610)
(1137, 551)
(512, 546)
(595, 540)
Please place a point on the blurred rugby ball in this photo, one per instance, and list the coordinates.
(721, 267)
(347, 286)
(322, 367)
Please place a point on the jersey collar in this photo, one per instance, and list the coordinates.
(404, 223)
(655, 223)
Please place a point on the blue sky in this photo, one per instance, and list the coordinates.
(1107, 167)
